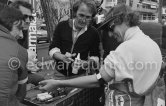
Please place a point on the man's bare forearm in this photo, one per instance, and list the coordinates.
(80, 82)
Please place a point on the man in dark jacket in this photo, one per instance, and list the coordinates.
(13, 58)
(76, 36)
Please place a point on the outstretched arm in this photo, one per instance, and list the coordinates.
(80, 82)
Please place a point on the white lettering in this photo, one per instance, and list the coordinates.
(32, 34)
(32, 29)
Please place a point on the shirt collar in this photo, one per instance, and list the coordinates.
(2, 28)
(6, 33)
(74, 28)
(131, 32)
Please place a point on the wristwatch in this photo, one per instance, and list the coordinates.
(100, 79)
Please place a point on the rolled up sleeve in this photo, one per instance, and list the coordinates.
(54, 50)
(115, 63)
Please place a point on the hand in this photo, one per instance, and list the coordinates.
(68, 57)
(32, 67)
(31, 55)
(48, 85)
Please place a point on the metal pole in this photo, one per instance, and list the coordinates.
(71, 8)
(160, 11)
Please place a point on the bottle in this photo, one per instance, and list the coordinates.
(76, 65)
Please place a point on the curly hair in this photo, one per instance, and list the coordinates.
(90, 3)
(2, 6)
(119, 14)
(124, 13)
(8, 16)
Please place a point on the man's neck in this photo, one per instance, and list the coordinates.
(77, 28)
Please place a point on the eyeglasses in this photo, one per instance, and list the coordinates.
(82, 16)
(28, 16)
(115, 21)
(20, 25)
(9, 2)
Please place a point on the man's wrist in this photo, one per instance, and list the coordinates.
(59, 83)
(57, 56)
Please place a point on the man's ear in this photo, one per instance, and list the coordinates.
(16, 23)
(9, 2)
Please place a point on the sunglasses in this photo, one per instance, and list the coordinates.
(28, 16)
(115, 21)
(112, 26)
(20, 26)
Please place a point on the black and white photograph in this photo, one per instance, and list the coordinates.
(82, 52)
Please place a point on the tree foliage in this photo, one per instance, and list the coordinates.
(54, 11)
(50, 15)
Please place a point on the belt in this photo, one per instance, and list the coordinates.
(119, 86)
(125, 86)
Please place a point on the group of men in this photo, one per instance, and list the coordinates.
(131, 70)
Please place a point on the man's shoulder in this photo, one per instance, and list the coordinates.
(7, 41)
(22, 54)
(63, 23)
(92, 28)
(22, 50)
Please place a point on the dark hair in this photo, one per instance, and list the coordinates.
(19, 3)
(119, 14)
(91, 4)
(2, 6)
(10, 15)
(97, 6)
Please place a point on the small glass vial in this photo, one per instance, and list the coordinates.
(76, 65)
